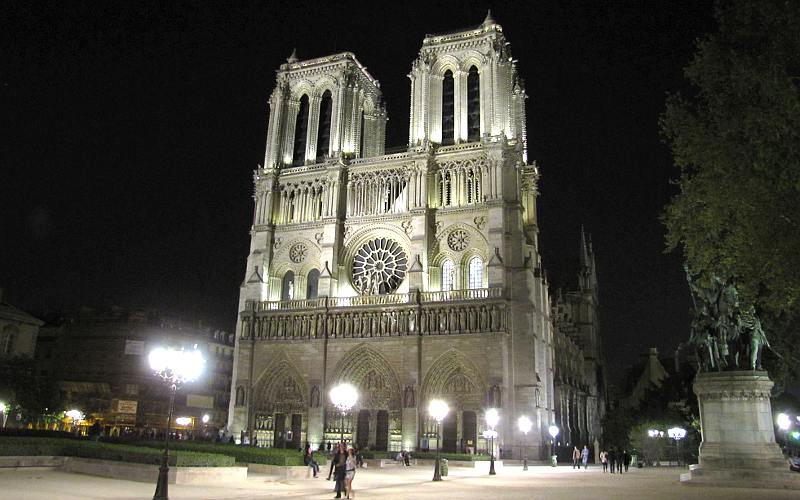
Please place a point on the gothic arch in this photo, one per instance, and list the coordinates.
(472, 58)
(326, 83)
(370, 372)
(443, 63)
(456, 379)
(300, 88)
(280, 388)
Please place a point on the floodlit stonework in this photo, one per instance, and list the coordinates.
(410, 275)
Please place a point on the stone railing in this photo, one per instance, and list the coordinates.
(469, 294)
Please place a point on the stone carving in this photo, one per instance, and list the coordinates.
(458, 240)
(315, 397)
(479, 222)
(318, 237)
(298, 252)
(408, 397)
(407, 227)
(495, 398)
(724, 333)
(379, 267)
(277, 244)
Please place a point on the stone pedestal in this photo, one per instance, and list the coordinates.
(738, 448)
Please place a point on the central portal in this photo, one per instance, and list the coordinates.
(369, 420)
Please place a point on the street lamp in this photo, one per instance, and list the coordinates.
(175, 367)
(76, 417)
(437, 409)
(206, 418)
(677, 434)
(344, 397)
(3, 410)
(553, 430)
(492, 417)
(524, 424)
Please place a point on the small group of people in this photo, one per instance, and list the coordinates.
(580, 457)
(404, 457)
(614, 459)
(343, 468)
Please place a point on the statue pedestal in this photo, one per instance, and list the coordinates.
(738, 448)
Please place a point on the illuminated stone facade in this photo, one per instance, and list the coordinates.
(411, 275)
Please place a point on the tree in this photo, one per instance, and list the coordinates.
(32, 395)
(736, 140)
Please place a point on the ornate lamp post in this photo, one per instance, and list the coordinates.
(677, 434)
(344, 397)
(175, 367)
(437, 409)
(524, 424)
(553, 430)
(492, 417)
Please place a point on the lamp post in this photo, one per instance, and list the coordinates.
(175, 367)
(76, 416)
(677, 434)
(553, 430)
(438, 410)
(344, 397)
(784, 422)
(524, 424)
(3, 412)
(492, 417)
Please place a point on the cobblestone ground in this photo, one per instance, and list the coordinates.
(395, 482)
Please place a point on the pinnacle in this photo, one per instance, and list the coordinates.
(293, 58)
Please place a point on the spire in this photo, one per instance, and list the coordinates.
(293, 58)
(489, 19)
(584, 256)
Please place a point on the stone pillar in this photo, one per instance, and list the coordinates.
(738, 448)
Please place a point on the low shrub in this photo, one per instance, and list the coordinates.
(12, 432)
(18, 446)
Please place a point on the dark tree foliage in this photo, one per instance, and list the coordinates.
(736, 139)
(31, 395)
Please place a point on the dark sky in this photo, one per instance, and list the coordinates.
(130, 132)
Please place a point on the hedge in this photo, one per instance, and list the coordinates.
(428, 455)
(242, 454)
(17, 432)
(19, 446)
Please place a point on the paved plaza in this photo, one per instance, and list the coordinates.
(394, 482)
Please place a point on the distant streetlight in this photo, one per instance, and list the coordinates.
(184, 421)
(175, 367)
(492, 418)
(76, 416)
(206, 418)
(553, 430)
(344, 397)
(438, 410)
(783, 421)
(677, 434)
(524, 424)
(3, 412)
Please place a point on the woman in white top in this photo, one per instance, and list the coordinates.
(350, 472)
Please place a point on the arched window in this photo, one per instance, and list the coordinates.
(473, 105)
(362, 137)
(287, 286)
(475, 272)
(7, 339)
(312, 284)
(448, 275)
(446, 189)
(300, 133)
(448, 108)
(324, 130)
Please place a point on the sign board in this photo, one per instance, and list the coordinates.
(127, 406)
(134, 347)
(197, 401)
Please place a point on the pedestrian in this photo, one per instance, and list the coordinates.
(334, 459)
(308, 460)
(407, 458)
(619, 462)
(576, 458)
(585, 457)
(626, 459)
(612, 459)
(350, 473)
(340, 470)
(604, 460)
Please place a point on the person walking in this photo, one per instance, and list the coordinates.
(576, 458)
(619, 462)
(585, 457)
(334, 459)
(604, 460)
(612, 459)
(626, 459)
(350, 473)
(340, 470)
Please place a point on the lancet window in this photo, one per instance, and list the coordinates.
(312, 284)
(300, 202)
(324, 130)
(448, 275)
(287, 286)
(378, 192)
(473, 105)
(448, 108)
(460, 183)
(300, 133)
(475, 269)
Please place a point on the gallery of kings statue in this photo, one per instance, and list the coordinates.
(412, 275)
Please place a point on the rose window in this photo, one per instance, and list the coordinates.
(297, 253)
(379, 267)
(458, 240)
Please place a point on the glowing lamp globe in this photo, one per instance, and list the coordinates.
(524, 424)
(783, 421)
(344, 397)
(676, 433)
(553, 430)
(75, 415)
(438, 409)
(206, 418)
(492, 417)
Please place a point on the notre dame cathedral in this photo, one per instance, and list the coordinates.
(413, 275)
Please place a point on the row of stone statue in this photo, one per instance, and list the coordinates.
(725, 333)
(406, 321)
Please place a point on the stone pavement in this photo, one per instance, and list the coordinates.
(392, 483)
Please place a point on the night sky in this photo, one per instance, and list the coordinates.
(130, 133)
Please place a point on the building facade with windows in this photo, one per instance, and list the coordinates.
(412, 275)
